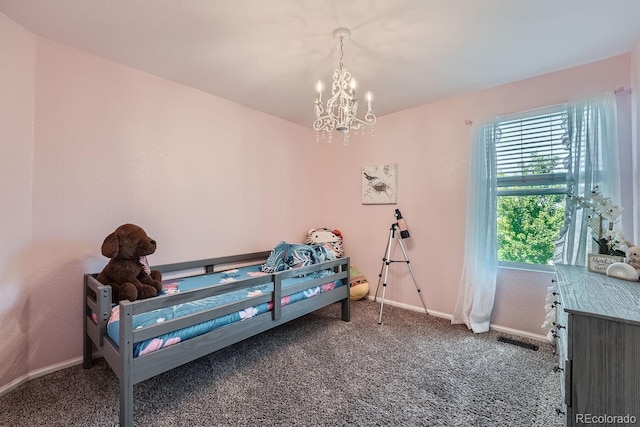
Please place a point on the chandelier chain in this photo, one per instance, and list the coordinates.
(341, 52)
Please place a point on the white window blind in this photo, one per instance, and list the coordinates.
(530, 153)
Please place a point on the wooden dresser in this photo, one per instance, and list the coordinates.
(598, 345)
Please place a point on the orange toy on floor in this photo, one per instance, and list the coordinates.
(359, 285)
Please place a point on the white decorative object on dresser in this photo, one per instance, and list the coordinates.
(597, 334)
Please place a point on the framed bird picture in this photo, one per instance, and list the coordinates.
(380, 184)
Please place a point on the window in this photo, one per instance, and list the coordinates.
(531, 185)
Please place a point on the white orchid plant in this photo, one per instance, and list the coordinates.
(602, 217)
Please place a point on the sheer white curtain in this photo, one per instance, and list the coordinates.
(591, 140)
(478, 282)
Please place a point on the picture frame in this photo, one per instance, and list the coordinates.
(380, 184)
(598, 263)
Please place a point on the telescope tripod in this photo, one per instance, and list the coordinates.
(386, 261)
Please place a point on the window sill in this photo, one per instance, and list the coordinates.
(525, 266)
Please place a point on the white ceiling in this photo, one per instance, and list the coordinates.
(268, 54)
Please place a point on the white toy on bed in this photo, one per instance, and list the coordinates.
(331, 239)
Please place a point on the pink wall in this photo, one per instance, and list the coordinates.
(431, 144)
(208, 177)
(204, 176)
(17, 59)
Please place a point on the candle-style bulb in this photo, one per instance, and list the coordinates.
(319, 88)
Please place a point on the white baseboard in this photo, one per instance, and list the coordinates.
(413, 308)
(38, 373)
(524, 334)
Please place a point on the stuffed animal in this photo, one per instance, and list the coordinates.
(128, 271)
(331, 239)
(633, 257)
(359, 287)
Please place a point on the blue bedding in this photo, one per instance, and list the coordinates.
(196, 282)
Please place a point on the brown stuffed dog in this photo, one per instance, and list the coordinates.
(128, 272)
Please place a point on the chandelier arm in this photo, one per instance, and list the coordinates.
(323, 124)
(368, 119)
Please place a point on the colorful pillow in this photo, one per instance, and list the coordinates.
(294, 255)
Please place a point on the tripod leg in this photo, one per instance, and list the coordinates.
(384, 288)
(406, 258)
(385, 262)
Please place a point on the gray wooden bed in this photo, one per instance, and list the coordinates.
(131, 370)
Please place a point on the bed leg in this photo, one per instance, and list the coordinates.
(126, 401)
(87, 358)
(87, 355)
(346, 309)
(346, 303)
(126, 364)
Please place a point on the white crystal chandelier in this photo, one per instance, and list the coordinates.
(341, 110)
